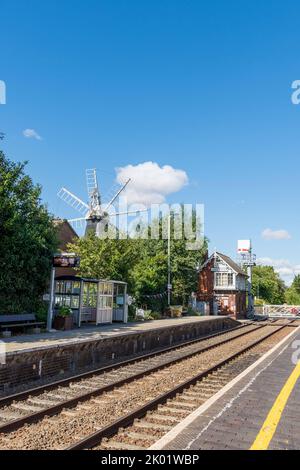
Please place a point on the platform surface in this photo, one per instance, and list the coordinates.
(260, 411)
(31, 342)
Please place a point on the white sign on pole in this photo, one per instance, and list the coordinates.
(244, 246)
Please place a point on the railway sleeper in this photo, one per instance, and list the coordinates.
(26, 407)
(156, 417)
(139, 436)
(115, 445)
(155, 426)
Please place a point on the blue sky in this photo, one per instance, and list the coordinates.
(202, 86)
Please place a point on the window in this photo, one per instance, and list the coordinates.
(59, 287)
(89, 294)
(67, 293)
(224, 279)
(68, 286)
(76, 287)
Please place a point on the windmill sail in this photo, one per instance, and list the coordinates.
(95, 216)
(73, 200)
(91, 181)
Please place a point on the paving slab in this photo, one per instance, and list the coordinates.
(29, 342)
(234, 417)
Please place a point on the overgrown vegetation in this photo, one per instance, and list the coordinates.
(27, 240)
(292, 294)
(143, 264)
(267, 285)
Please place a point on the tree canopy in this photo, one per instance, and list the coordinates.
(27, 240)
(143, 264)
(267, 285)
(292, 294)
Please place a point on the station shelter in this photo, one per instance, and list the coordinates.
(93, 301)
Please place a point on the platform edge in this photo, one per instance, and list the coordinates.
(171, 435)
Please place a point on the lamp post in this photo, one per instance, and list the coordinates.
(169, 256)
(169, 260)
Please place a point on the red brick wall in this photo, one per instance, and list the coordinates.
(65, 235)
(206, 283)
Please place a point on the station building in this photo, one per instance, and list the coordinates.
(222, 287)
(93, 301)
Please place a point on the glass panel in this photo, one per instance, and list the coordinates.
(58, 300)
(75, 301)
(121, 289)
(76, 287)
(59, 285)
(84, 300)
(92, 301)
(68, 287)
(120, 300)
(67, 300)
(224, 279)
(101, 287)
(85, 287)
(92, 288)
(107, 288)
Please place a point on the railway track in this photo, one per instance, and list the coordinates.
(32, 405)
(84, 420)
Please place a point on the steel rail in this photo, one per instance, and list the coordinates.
(55, 409)
(84, 375)
(112, 429)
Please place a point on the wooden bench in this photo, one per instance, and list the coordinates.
(23, 320)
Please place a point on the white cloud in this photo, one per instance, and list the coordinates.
(31, 134)
(269, 234)
(283, 267)
(150, 183)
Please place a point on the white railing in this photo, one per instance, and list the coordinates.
(281, 310)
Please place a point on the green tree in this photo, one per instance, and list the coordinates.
(292, 295)
(27, 240)
(267, 285)
(105, 258)
(143, 264)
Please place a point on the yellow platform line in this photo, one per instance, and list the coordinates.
(269, 427)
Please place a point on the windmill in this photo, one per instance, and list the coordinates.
(93, 212)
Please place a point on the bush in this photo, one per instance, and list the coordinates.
(156, 315)
(64, 311)
(131, 313)
(192, 312)
(41, 312)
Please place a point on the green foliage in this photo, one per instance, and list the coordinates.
(28, 240)
(41, 311)
(148, 315)
(143, 264)
(64, 311)
(155, 315)
(267, 285)
(292, 294)
(131, 313)
(192, 312)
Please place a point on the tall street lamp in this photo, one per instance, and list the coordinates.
(169, 256)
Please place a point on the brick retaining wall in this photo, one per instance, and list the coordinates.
(57, 361)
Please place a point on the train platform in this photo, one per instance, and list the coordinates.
(43, 356)
(31, 342)
(258, 410)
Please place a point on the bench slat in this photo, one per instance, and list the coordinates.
(13, 325)
(17, 318)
